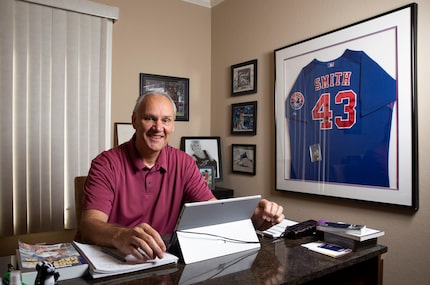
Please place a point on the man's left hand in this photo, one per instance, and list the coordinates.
(267, 214)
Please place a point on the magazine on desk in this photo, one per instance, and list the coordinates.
(103, 264)
(64, 256)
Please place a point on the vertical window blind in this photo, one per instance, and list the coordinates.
(55, 77)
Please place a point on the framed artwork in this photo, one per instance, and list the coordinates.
(208, 173)
(177, 87)
(244, 118)
(206, 151)
(243, 158)
(345, 111)
(244, 78)
(122, 133)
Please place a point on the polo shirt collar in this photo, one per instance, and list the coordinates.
(160, 164)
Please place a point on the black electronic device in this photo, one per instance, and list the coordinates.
(301, 229)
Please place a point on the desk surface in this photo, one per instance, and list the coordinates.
(280, 262)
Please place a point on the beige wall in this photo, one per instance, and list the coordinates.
(167, 38)
(171, 37)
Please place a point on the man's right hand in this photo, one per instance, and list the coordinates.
(142, 241)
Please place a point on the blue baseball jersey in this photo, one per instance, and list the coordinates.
(339, 117)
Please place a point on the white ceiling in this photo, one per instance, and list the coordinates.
(205, 3)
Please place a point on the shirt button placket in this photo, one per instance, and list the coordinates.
(148, 183)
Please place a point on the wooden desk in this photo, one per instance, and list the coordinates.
(281, 262)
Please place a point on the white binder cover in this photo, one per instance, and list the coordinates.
(217, 240)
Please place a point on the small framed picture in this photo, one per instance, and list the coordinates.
(122, 133)
(244, 78)
(243, 158)
(176, 87)
(244, 118)
(208, 174)
(206, 151)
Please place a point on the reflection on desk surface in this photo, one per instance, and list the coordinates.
(161, 275)
(217, 267)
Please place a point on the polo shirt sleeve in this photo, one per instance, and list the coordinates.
(99, 184)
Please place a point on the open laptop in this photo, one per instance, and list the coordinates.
(211, 229)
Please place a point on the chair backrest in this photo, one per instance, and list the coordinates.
(79, 192)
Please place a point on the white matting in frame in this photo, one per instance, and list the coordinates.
(389, 39)
(122, 133)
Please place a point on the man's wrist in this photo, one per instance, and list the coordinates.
(117, 236)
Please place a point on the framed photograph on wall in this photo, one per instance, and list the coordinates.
(206, 151)
(244, 78)
(243, 158)
(208, 174)
(122, 133)
(345, 111)
(244, 118)
(177, 87)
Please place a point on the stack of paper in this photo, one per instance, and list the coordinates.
(354, 239)
(102, 264)
(359, 235)
(277, 230)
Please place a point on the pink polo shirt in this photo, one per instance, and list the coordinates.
(130, 193)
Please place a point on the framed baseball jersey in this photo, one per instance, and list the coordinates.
(345, 112)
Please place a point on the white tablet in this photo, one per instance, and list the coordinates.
(209, 213)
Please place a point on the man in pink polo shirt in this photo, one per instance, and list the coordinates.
(134, 192)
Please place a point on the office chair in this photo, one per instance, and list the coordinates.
(79, 191)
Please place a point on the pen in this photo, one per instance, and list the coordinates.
(129, 258)
(343, 225)
(110, 252)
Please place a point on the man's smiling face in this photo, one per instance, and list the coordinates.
(154, 123)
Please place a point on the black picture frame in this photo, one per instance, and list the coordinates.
(177, 87)
(212, 147)
(388, 173)
(208, 174)
(244, 78)
(244, 118)
(243, 158)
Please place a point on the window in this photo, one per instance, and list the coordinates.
(55, 76)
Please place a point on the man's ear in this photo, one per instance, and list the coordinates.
(133, 120)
